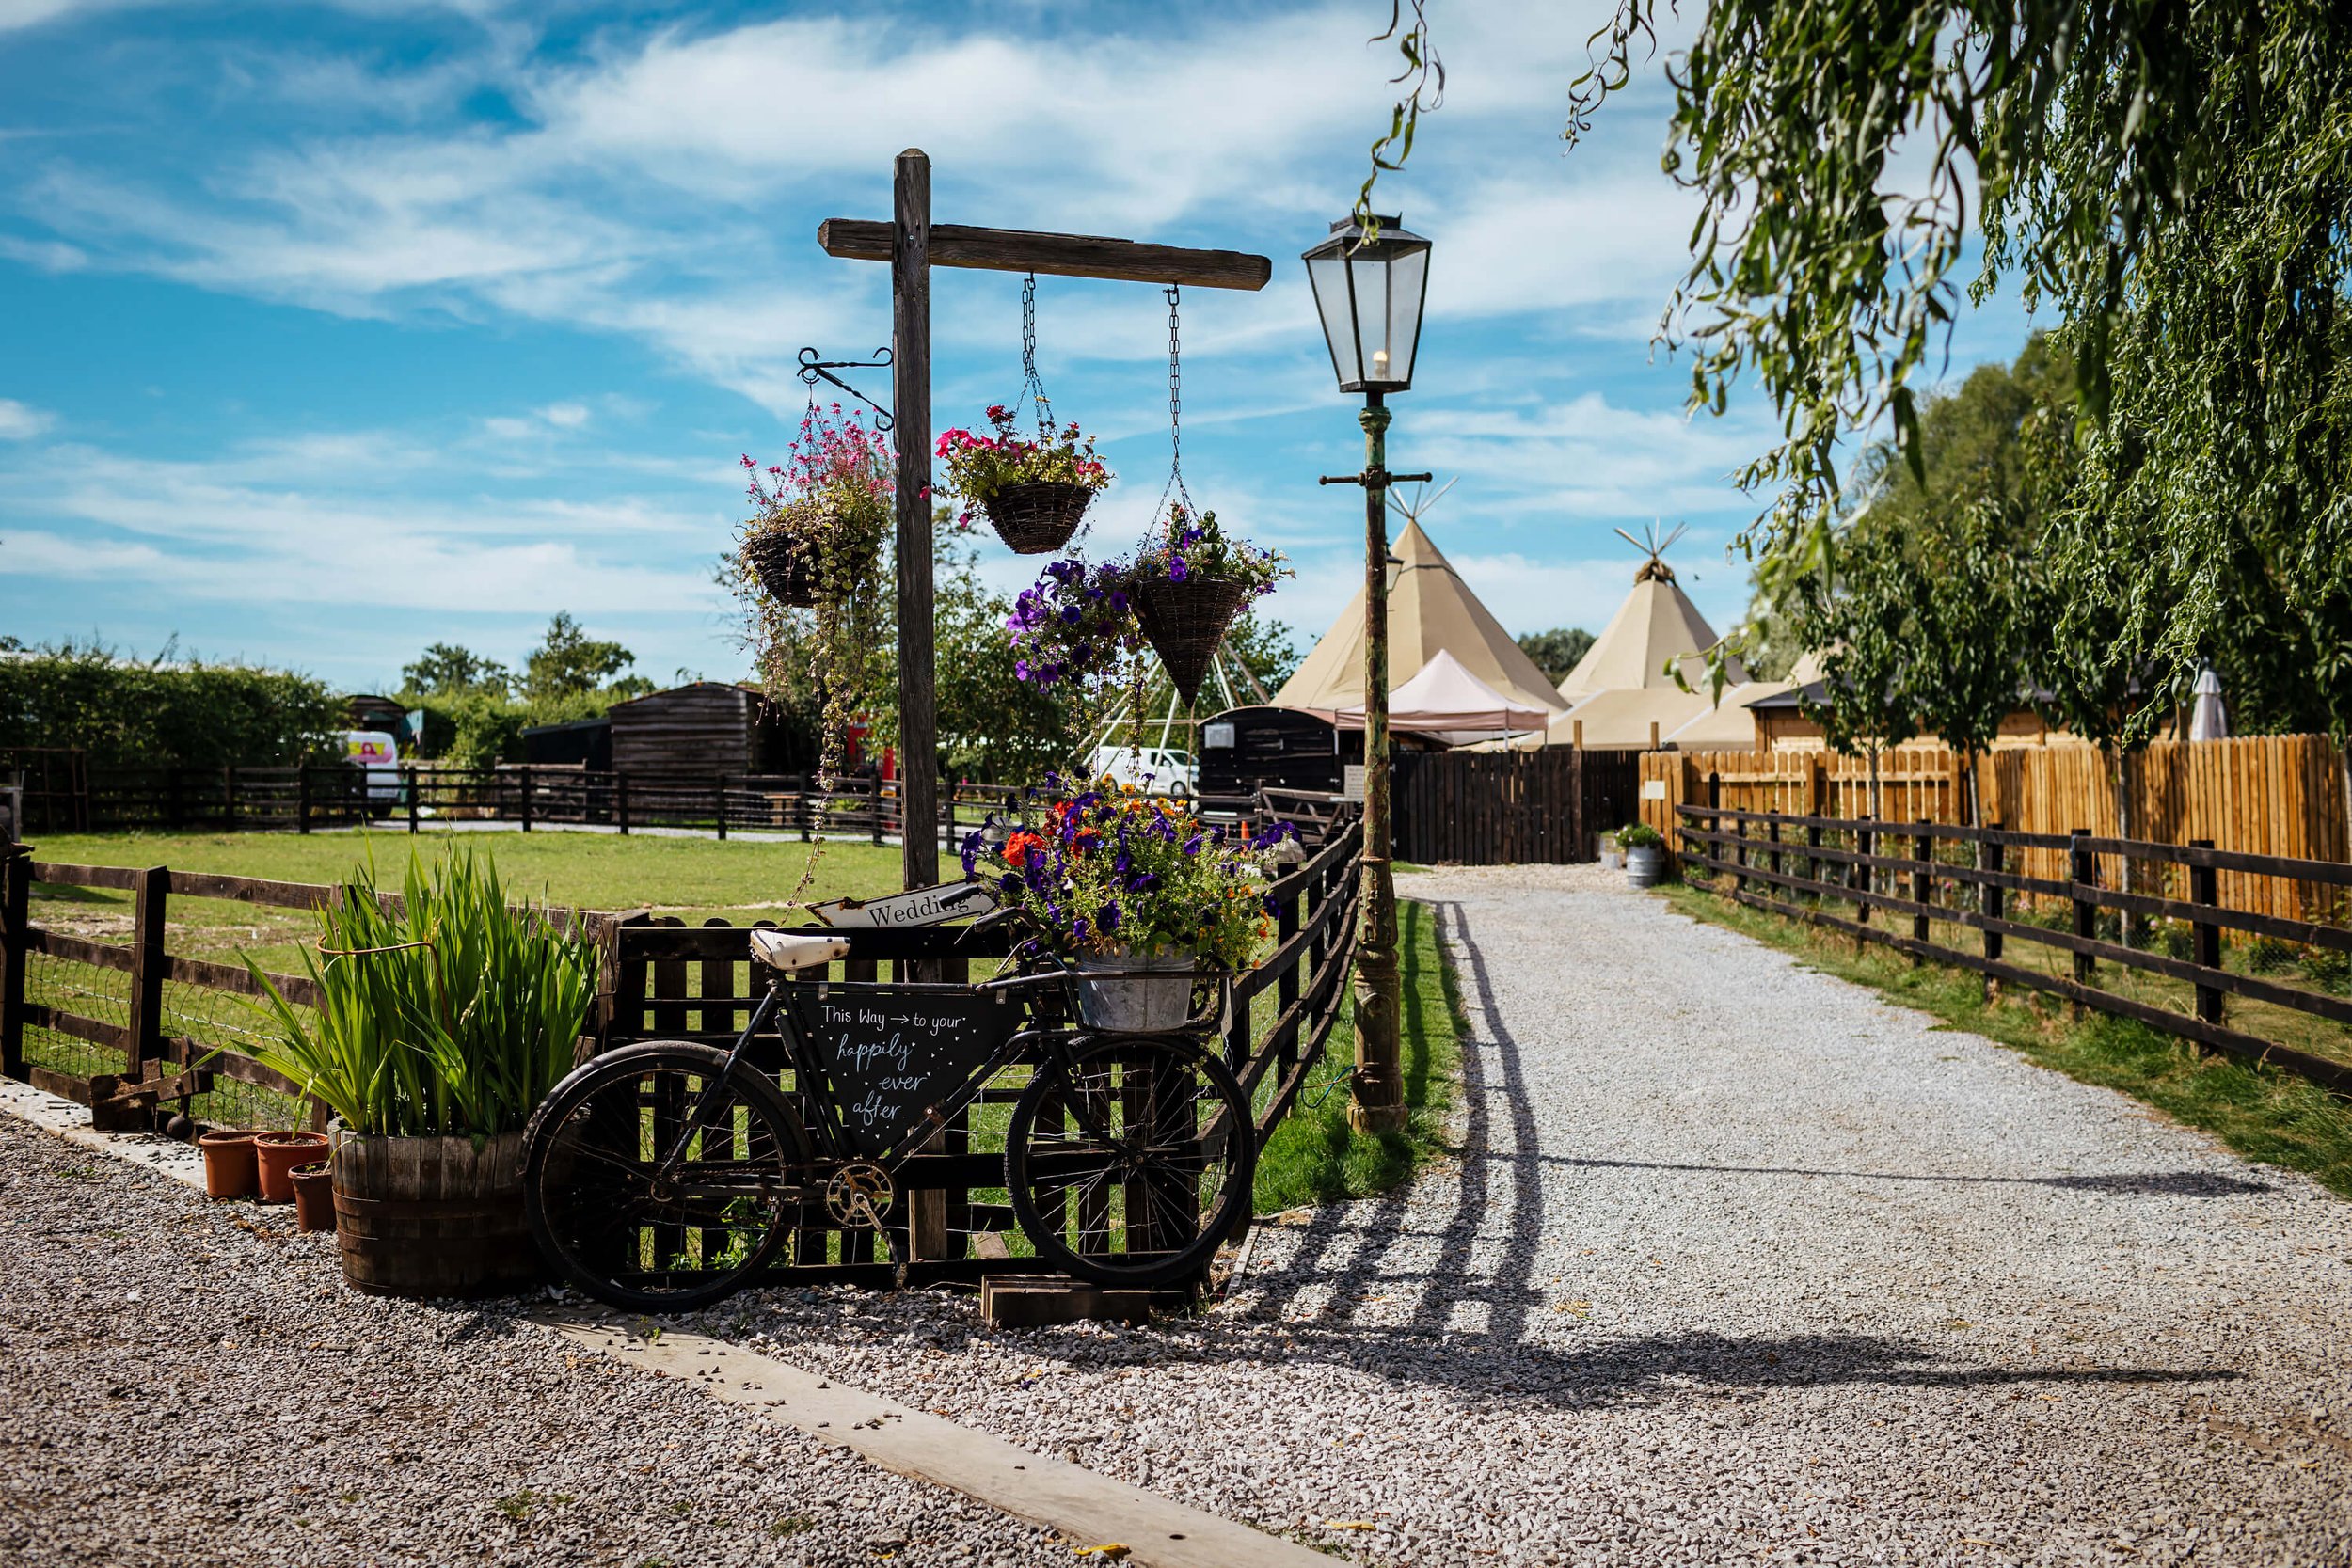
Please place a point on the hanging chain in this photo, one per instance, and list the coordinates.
(1175, 411)
(1032, 386)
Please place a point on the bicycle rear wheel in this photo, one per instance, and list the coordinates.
(1129, 1161)
(616, 1216)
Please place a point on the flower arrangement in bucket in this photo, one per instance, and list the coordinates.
(1034, 491)
(1188, 585)
(1645, 849)
(1138, 894)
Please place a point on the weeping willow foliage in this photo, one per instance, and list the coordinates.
(443, 1012)
(2169, 180)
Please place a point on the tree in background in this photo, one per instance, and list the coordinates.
(1862, 612)
(445, 669)
(569, 663)
(476, 711)
(1968, 617)
(1557, 651)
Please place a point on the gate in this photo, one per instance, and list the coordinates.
(1509, 808)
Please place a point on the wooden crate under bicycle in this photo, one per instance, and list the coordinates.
(668, 1174)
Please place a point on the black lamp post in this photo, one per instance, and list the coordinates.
(1369, 290)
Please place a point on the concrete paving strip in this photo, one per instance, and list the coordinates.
(1090, 1509)
(51, 1113)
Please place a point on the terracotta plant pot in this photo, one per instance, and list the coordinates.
(314, 1196)
(275, 1154)
(229, 1163)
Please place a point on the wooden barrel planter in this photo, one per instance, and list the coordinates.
(1036, 517)
(1184, 622)
(433, 1216)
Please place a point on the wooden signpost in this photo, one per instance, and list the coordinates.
(912, 246)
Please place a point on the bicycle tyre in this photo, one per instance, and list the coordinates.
(588, 1228)
(1188, 1097)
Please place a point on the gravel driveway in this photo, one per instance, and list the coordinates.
(178, 1388)
(1737, 1263)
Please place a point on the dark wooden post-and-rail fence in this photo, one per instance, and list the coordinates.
(656, 979)
(1716, 839)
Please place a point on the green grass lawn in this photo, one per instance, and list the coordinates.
(1315, 1156)
(693, 879)
(2263, 1114)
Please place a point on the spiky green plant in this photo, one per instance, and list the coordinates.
(441, 1012)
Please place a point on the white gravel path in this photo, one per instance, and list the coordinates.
(1738, 1263)
(182, 1384)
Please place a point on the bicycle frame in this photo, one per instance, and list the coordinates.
(1041, 1046)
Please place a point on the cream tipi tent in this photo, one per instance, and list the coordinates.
(1431, 611)
(1656, 622)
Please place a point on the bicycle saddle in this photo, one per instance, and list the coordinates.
(789, 950)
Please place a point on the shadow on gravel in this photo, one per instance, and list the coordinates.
(1501, 1358)
(2178, 1183)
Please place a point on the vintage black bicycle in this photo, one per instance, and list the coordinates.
(665, 1175)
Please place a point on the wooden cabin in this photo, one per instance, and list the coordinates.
(706, 729)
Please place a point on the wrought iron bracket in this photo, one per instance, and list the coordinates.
(814, 370)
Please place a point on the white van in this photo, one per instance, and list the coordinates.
(1161, 769)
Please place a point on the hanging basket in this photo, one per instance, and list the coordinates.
(1184, 622)
(785, 561)
(790, 560)
(1036, 517)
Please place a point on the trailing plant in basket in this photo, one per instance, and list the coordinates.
(455, 1015)
(815, 543)
(1111, 870)
(1035, 492)
(1074, 625)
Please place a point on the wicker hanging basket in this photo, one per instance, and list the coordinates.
(790, 561)
(785, 561)
(1184, 622)
(1036, 517)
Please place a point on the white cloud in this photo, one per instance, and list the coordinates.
(21, 421)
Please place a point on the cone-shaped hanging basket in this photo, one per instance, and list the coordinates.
(1036, 517)
(1184, 622)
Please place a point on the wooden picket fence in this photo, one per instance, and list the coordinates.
(2280, 795)
(141, 1034)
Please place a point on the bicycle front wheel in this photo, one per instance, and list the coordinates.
(639, 1210)
(1130, 1159)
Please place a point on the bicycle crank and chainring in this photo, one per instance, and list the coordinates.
(860, 1194)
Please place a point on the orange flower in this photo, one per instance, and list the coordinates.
(1020, 847)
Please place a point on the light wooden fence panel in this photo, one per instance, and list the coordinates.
(2278, 794)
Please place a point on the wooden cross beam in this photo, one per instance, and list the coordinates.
(956, 245)
(912, 244)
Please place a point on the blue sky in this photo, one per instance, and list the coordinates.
(329, 331)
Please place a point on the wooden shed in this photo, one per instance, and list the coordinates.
(707, 729)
